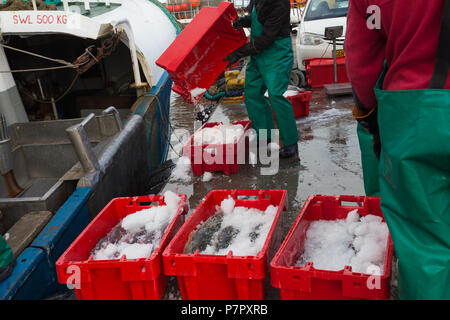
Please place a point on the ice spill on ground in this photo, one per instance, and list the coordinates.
(138, 234)
(182, 170)
(357, 241)
(324, 116)
(207, 176)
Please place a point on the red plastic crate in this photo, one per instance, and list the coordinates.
(300, 103)
(307, 283)
(216, 157)
(195, 58)
(320, 71)
(225, 277)
(124, 279)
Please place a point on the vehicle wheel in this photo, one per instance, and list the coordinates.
(297, 79)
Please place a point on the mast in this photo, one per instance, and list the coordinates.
(11, 105)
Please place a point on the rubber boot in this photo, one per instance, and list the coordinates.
(289, 151)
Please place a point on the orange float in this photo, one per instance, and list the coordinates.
(177, 8)
(194, 3)
(169, 7)
(184, 6)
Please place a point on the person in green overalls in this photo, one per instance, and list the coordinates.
(6, 259)
(269, 68)
(398, 62)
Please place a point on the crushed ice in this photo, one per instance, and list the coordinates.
(357, 241)
(182, 170)
(138, 234)
(220, 134)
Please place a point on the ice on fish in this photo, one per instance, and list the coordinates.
(238, 229)
(138, 234)
(356, 241)
(220, 134)
(290, 93)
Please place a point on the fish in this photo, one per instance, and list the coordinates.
(225, 237)
(113, 237)
(199, 239)
(254, 234)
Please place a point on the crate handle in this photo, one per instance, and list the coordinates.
(148, 203)
(242, 196)
(346, 203)
(250, 197)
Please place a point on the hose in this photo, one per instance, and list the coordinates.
(215, 97)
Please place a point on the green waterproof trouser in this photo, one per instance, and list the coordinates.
(6, 255)
(270, 70)
(414, 181)
(369, 163)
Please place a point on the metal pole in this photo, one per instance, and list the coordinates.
(55, 113)
(335, 62)
(82, 146)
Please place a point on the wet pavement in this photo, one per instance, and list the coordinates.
(329, 155)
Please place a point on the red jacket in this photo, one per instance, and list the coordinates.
(407, 40)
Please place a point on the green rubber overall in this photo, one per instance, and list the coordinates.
(414, 180)
(369, 163)
(270, 70)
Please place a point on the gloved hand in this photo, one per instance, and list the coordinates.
(232, 58)
(247, 49)
(237, 24)
(367, 118)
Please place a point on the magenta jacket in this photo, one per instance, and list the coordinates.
(407, 40)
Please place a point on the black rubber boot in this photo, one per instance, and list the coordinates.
(289, 151)
(6, 271)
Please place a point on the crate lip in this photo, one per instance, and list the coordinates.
(107, 264)
(330, 274)
(189, 144)
(303, 96)
(309, 61)
(206, 258)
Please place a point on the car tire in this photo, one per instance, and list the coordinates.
(297, 78)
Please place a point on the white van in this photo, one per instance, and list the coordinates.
(318, 15)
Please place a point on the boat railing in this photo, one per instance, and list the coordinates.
(86, 3)
(187, 9)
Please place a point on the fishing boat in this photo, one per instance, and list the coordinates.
(85, 118)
